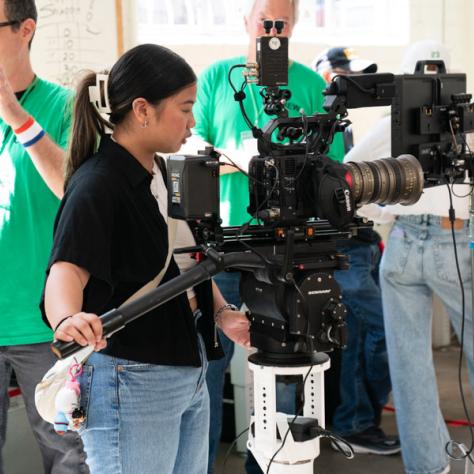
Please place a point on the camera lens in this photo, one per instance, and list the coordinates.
(386, 181)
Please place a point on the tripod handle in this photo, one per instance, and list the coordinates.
(112, 321)
(116, 319)
(63, 349)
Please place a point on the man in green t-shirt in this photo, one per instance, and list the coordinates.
(219, 122)
(34, 126)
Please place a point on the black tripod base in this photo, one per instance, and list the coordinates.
(288, 360)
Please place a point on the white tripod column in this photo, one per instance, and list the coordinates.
(268, 427)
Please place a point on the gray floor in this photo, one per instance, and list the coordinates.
(331, 462)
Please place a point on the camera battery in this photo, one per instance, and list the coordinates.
(272, 59)
(193, 187)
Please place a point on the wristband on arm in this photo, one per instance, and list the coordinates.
(29, 133)
(60, 322)
(222, 309)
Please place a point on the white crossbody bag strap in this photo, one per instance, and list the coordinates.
(172, 226)
(84, 354)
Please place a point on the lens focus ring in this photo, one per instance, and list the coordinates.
(386, 181)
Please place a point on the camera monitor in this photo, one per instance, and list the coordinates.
(422, 121)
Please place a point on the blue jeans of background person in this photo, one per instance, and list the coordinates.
(419, 261)
(144, 418)
(228, 283)
(61, 454)
(365, 378)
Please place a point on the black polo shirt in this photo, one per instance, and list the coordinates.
(109, 223)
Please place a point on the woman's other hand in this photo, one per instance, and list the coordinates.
(235, 326)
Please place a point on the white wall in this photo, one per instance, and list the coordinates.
(444, 20)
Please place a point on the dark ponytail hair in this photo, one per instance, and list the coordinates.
(149, 71)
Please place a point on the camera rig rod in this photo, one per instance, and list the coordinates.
(116, 319)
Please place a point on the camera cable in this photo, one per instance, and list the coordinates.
(452, 445)
(323, 433)
(471, 167)
(231, 447)
(239, 96)
(298, 413)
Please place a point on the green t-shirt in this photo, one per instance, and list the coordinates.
(27, 211)
(220, 122)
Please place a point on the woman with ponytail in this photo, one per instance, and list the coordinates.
(143, 391)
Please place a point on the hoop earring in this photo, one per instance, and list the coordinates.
(145, 124)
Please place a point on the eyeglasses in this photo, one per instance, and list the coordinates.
(9, 23)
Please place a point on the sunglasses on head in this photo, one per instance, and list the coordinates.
(269, 24)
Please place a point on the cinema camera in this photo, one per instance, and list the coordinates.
(302, 203)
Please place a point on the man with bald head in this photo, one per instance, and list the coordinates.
(34, 126)
(220, 123)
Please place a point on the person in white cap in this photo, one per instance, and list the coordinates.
(419, 260)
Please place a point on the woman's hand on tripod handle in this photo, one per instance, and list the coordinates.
(83, 328)
(235, 326)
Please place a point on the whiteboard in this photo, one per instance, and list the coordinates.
(73, 35)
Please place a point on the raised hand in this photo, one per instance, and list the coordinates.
(11, 111)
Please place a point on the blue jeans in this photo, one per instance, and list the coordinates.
(144, 418)
(228, 283)
(419, 261)
(365, 378)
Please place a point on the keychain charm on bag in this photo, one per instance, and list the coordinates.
(69, 414)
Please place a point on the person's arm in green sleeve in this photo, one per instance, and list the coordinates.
(45, 154)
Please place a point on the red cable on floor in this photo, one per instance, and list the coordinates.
(448, 422)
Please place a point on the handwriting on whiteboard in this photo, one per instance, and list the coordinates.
(73, 35)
